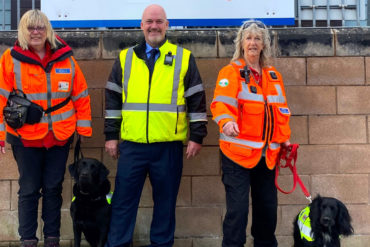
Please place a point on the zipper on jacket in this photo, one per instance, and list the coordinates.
(272, 122)
(265, 123)
(177, 118)
(147, 103)
(147, 110)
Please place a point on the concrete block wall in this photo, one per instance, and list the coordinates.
(326, 74)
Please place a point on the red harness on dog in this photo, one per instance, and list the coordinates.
(287, 155)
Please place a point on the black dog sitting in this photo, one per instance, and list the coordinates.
(90, 208)
(322, 223)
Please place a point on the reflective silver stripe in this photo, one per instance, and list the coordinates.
(2, 127)
(223, 116)
(58, 117)
(305, 230)
(153, 107)
(4, 93)
(276, 98)
(274, 145)
(83, 123)
(247, 95)
(240, 141)
(84, 93)
(197, 117)
(43, 96)
(17, 73)
(73, 73)
(113, 113)
(113, 87)
(194, 90)
(226, 99)
(127, 72)
(176, 76)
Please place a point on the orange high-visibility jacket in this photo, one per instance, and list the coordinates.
(47, 87)
(262, 114)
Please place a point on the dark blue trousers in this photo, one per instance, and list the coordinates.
(163, 162)
(238, 181)
(41, 173)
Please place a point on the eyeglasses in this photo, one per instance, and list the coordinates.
(39, 29)
(258, 23)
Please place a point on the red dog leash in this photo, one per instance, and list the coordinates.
(288, 154)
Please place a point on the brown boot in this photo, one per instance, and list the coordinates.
(51, 242)
(29, 243)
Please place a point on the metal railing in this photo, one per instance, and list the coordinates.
(343, 12)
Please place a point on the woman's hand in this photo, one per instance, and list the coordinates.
(285, 144)
(231, 129)
(2, 147)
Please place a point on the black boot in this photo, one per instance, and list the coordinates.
(29, 243)
(51, 242)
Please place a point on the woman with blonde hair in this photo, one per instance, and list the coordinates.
(40, 67)
(250, 107)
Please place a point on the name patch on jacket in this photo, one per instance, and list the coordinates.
(63, 86)
(284, 110)
(63, 71)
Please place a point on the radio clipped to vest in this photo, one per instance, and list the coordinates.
(20, 110)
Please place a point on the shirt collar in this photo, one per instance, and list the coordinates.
(149, 48)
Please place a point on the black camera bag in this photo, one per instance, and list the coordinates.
(20, 110)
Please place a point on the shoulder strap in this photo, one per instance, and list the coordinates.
(58, 106)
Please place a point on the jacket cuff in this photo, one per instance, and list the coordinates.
(111, 136)
(196, 138)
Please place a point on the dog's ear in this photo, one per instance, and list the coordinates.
(103, 173)
(72, 168)
(343, 220)
(315, 212)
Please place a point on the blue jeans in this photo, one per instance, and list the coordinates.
(163, 162)
(41, 173)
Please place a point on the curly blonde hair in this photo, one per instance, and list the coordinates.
(253, 27)
(34, 18)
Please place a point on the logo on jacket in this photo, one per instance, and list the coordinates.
(63, 71)
(284, 110)
(223, 82)
(63, 86)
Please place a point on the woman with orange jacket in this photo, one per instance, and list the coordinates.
(40, 66)
(250, 107)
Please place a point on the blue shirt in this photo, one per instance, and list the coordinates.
(148, 49)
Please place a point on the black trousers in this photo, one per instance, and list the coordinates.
(238, 181)
(41, 173)
(163, 162)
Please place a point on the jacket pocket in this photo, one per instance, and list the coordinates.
(251, 119)
(282, 129)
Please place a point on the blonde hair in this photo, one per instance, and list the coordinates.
(253, 27)
(34, 18)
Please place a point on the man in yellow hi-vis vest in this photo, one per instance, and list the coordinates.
(152, 89)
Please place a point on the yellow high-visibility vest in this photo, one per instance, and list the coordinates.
(304, 224)
(153, 109)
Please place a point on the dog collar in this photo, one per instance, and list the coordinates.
(108, 197)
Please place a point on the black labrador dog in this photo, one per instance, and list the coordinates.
(90, 207)
(329, 220)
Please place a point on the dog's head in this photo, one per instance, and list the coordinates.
(330, 213)
(88, 174)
